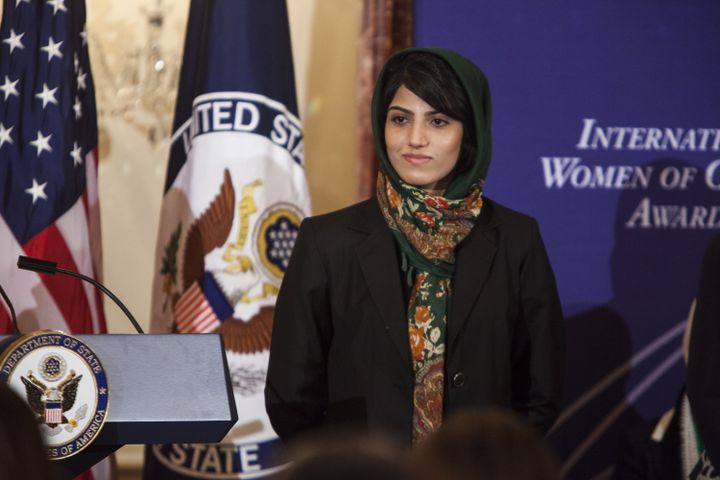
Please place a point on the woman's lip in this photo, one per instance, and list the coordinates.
(416, 159)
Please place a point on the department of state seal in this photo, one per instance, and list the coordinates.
(64, 383)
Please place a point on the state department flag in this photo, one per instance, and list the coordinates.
(234, 197)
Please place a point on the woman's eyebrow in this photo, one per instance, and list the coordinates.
(408, 112)
(403, 110)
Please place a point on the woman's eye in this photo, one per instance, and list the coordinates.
(399, 119)
(439, 122)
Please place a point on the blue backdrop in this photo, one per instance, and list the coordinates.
(606, 128)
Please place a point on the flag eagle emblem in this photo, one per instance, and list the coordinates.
(207, 298)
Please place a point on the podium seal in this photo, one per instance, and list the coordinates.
(65, 385)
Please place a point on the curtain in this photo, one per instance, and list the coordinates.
(386, 28)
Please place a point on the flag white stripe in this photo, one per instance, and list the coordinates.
(91, 182)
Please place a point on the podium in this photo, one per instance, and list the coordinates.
(163, 388)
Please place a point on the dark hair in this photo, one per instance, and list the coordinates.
(432, 79)
(347, 465)
(22, 453)
(490, 443)
(348, 453)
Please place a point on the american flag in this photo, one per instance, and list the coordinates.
(48, 165)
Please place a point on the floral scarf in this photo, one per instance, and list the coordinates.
(428, 228)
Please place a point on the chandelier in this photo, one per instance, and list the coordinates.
(138, 83)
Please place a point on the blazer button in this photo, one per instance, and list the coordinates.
(458, 380)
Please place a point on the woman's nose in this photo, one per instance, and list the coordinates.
(418, 137)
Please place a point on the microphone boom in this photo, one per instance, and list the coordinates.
(45, 266)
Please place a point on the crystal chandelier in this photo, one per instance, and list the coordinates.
(138, 83)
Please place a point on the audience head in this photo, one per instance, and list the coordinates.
(347, 456)
(22, 452)
(484, 444)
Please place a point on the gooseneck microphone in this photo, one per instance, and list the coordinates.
(12, 310)
(45, 266)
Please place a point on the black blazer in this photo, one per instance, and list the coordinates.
(703, 379)
(340, 350)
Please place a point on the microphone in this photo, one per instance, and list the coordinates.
(45, 266)
(12, 310)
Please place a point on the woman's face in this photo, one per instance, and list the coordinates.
(423, 144)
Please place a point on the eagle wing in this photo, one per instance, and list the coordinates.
(69, 393)
(252, 336)
(208, 231)
(34, 396)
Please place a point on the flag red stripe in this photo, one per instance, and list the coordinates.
(68, 293)
(5, 319)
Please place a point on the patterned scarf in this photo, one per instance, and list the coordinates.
(427, 228)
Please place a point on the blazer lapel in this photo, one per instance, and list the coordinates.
(378, 260)
(473, 263)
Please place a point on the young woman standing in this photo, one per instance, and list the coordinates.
(427, 298)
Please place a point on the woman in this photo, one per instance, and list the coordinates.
(428, 298)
